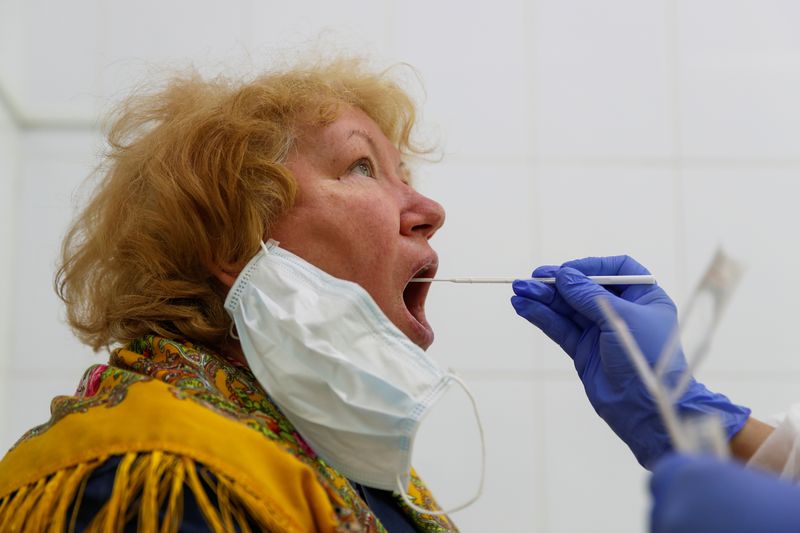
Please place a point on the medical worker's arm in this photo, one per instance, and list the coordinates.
(569, 314)
(750, 438)
(707, 495)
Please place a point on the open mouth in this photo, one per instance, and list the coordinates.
(415, 293)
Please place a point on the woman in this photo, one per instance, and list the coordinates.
(175, 432)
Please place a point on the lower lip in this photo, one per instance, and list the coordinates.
(423, 332)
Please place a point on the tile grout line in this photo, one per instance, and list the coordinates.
(678, 185)
(555, 375)
(542, 515)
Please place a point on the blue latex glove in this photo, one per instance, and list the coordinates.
(704, 494)
(568, 313)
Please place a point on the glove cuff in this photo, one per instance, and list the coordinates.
(698, 400)
(647, 437)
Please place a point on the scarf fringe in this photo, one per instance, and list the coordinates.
(144, 484)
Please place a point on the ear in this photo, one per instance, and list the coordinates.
(226, 274)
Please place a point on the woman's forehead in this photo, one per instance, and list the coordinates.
(348, 122)
(352, 126)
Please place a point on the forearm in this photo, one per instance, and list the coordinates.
(752, 435)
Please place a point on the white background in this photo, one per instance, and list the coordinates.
(569, 128)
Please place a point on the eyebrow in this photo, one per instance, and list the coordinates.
(364, 135)
(402, 168)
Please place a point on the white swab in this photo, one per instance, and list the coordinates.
(601, 280)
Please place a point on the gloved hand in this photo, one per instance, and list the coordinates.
(704, 494)
(569, 314)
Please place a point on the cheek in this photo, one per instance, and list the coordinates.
(349, 233)
(378, 238)
(370, 216)
(370, 248)
(372, 251)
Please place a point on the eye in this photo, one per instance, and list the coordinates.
(363, 167)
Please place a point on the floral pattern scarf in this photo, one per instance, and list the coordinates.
(198, 375)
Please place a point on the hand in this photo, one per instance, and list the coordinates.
(569, 314)
(705, 494)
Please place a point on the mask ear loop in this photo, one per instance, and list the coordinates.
(478, 494)
(232, 328)
(231, 331)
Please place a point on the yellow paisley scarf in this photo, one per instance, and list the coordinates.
(168, 407)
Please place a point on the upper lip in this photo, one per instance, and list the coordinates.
(426, 268)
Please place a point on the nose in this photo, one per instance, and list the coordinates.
(421, 216)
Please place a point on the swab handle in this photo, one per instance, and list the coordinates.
(623, 280)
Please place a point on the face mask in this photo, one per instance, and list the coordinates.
(355, 387)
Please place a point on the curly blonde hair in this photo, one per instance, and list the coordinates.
(195, 176)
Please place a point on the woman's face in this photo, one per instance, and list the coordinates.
(357, 218)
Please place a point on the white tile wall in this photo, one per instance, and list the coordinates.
(601, 82)
(12, 31)
(474, 61)
(353, 24)
(568, 128)
(588, 210)
(447, 455)
(478, 330)
(593, 483)
(54, 166)
(150, 39)
(63, 40)
(739, 78)
(9, 159)
(487, 203)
